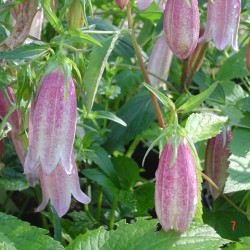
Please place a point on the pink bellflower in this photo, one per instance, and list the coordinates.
(223, 17)
(181, 26)
(53, 125)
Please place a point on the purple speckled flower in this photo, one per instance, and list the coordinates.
(159, 62)
(216, 160)
(176, 186)
(181, 26)
(144, 4)
(223, 17)
(53, 125)
(58, 187)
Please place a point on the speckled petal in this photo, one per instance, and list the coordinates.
(181, 26)
(159, 62)
(223, 18)
(176, 187)
(54, 124)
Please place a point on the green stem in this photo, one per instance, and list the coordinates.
(5, 119)
(133, 146)
(224, 196)
(99, 207)
(143, 68)
(112, 215)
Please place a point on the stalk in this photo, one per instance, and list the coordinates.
(143, 68)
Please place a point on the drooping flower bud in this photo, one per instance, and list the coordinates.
(216, 161)
(58, 187)
(223, 17)
(248, 56)
(121, 3)
(14, 120)
(181, 26)
(159, 62)
(75, 16)
(53, 125)
(176, 191)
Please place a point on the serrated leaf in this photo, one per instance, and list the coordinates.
(194, 101)
(98, 59)
(204, 126)
(27, 51)
(234, 67)
(166, 101)
(143, 235)
(23, 236)
(138, 113)
(244, 244)
(239, 167)
(51, 17)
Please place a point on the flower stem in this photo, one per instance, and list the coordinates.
(99, 207)
(143, 68)
(112, 215)
(224, 196)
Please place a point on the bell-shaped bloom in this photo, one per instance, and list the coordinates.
(14, 120)
(223, 17)
(121, 3)
(58, 187)
(159, 62)
(181, 26)
(53, 125)
(176, 186)
(216, 161)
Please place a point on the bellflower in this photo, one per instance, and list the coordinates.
(223, 17)
(58, 187)
(159, 61)
(216, 160)
(176, 189)
(53, 125)
(181, 26)
(144, 4)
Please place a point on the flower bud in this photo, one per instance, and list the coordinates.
(223, 17)
(159, 62)
(121, 3)
(176, 186)
(216, 161)
(75, 17)
(181, 26)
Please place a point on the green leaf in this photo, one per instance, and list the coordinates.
(234, 67)
(244, 104)
(226, 220)
(98, 59)
(51, 17)
(127, 171)
(17, 234)
(12, 180)
(75, 37)
(196, 100)
(166, 101)
(101, 178)
(204, 126)
(102, 159)
(109, 116)
(143, 235)
(138, 113)
(244, 244)
(27, 51)
(239, 168)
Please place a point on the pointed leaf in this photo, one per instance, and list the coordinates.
(98, 59)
